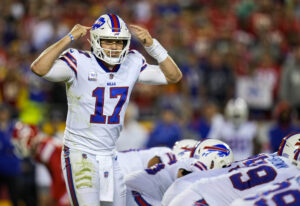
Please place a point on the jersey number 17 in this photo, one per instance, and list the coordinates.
(98, 116)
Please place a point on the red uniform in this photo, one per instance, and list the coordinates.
(48, 153)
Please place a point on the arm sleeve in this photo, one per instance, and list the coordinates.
(59, 72)
(152, 75)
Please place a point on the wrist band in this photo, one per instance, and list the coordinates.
(71, 36)
(157, 51)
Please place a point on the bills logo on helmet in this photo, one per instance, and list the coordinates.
(183, 153)
(221, 149)
(185, 150)
(98, 23)
(201, 202)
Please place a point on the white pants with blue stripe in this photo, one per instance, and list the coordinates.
(82, 176)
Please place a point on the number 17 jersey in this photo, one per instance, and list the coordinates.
(97, 99)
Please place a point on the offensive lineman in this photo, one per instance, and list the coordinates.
(239, 180)
(98, 87)
(147, 187)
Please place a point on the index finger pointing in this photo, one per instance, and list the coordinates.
(135, 27)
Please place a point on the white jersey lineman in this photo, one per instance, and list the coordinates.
(186, 181)
(239, 181)
(150, 185)
(137, 159)
(281, 193)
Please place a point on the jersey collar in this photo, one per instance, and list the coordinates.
(105, 68)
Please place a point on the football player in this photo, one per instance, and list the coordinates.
(98, 87)
(147, 187)
(139, 159)
(237, 131)
(244, 177)
(46, 150)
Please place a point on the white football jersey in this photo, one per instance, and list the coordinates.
(97, 99)
(137, 159)
(281, 193)
(182, 184)
(240, 181)
(179, 185)
(239, 139)
(152, 183)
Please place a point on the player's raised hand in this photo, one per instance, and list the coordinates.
(142, 34)
(79, 31)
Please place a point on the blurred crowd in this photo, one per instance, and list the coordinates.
(225, 49)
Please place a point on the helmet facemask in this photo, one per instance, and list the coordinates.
(110, 26)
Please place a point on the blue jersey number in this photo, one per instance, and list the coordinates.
(155, 168)
(254, 179)
(98, 116)
(281, 199)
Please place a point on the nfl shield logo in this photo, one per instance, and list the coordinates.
(106, 174)
(111, 76)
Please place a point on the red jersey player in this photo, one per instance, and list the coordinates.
(46, 150)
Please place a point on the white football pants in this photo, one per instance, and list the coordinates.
(83, 172)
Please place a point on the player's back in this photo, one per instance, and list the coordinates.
(180, 184)
(153, 182)
(137, 159)
(240, 181)
(187, 181)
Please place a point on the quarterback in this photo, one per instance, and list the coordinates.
(98, 87)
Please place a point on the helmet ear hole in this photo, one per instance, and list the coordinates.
(212, 165)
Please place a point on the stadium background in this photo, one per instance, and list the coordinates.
(225, 49)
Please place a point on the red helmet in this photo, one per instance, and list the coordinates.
(24, 135)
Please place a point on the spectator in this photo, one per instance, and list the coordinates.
(208, 122)
(290, 81)
(10, 169)
(219, 80)
(283, 125)
(166, 131)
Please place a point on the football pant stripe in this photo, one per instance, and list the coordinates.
(70, 178)
(139, 199)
